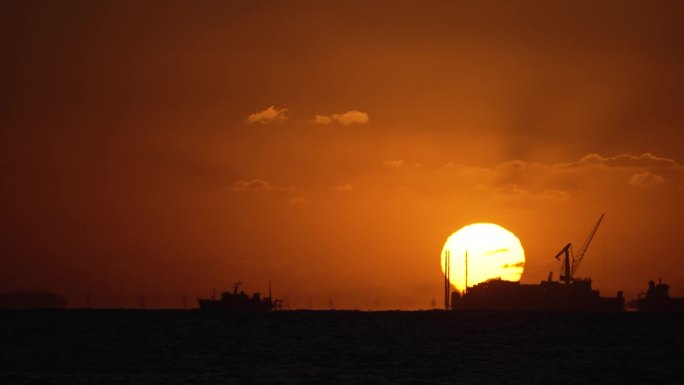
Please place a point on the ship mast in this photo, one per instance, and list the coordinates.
(447, 283)
(465, 290)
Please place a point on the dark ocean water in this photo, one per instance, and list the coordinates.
(330, 347)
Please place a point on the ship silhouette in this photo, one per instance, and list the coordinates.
(234, 301)
(498, 294)
(657, 299)
(568, 294)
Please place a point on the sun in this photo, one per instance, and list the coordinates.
(493, 252)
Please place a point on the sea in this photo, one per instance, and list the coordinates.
(98, 346)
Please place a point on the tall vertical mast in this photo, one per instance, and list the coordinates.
(447, 277)
(465, 290)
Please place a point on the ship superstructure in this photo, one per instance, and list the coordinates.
(239, 301)
(657, 299)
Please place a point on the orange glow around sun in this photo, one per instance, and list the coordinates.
(493, 252)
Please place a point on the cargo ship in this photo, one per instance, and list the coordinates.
(241, 302)
(657, 299)
(498, 294)
(567, 294)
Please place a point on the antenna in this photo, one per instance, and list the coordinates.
(270, 296)
(447, 278)
(465, 290)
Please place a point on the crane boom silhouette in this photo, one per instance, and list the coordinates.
(568, 270)
(577, 259)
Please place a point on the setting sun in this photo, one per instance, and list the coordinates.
(493, 252)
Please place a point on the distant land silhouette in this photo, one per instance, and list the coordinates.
(31, 299)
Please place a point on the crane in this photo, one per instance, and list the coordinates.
(565, 267)
(571, 261)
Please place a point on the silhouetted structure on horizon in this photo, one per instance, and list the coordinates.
(547, 295)
(568, 294)
(31, 300)
(447, 279)
(241, 302)
(658, 299)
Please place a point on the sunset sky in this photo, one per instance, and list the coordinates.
(168, 148)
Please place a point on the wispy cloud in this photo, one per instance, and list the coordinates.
(515, 192)
(645, 169)
(518, 265)
(347, 118)
(298, 200)
(644, 179)
(645, 160)
(496, 251)
(322, 119)
(268, 116)
(343, 188)
(254, 185)
(393, 163)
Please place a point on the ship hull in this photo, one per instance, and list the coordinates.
(221, 305)
(668, 305)
(658, 299)
(240, 302)
(547, 296)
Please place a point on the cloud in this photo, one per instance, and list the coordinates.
(515, 165)
(644, 179)
(645, 160)
(510, 191)
(552, 195)
(643, 169)
(503, 250)
(347, 118)
(322, 119)
(267, 116)
(254, 185)
(351, 117)
(393, 163)
(515, 192)
(518, 265)
(532, 183)
(467, 169)
(299, 200)
(343, 188)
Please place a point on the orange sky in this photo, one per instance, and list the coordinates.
(137, 159)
